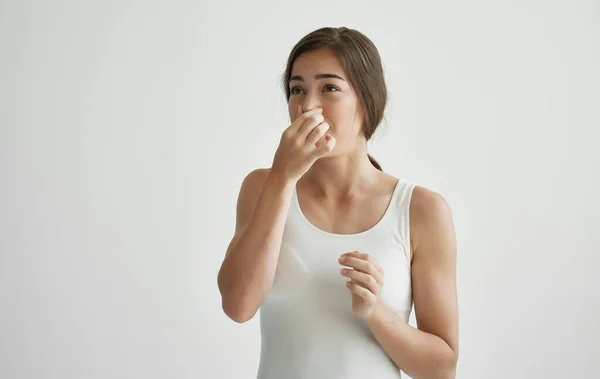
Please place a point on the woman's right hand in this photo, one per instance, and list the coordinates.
(301, 144)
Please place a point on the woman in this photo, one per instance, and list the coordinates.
(332, 250)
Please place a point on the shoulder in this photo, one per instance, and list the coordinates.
(255, 178)
(428, 205)
(430, 218)
(252, 185)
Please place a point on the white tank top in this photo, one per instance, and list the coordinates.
(307, 326)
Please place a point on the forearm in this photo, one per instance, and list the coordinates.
(419, 354)
(248, 270)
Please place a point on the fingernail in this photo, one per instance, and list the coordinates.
(341, 259)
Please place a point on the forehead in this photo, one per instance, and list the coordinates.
(318, 61)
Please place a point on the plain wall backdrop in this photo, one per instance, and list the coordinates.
(127, 128)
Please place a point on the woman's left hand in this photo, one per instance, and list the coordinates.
(366, 281)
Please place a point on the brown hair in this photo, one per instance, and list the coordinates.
(362, 64)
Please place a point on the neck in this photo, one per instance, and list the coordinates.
(342, 176)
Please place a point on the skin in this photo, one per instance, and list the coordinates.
(342, 192)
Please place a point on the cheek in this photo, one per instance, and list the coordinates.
(343, 108)
(294, 110)
(340, 118)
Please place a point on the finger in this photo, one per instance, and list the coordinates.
(304, 117)
(362, 265)
(374, 263)
(359, 290)
(358, 263)
(366, 257)
(327, 144)
(317, 133)
(310, 124)
(365, 280)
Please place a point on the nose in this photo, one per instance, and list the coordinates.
(302, 109)
(310, 102)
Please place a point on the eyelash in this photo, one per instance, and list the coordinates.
(326, 86)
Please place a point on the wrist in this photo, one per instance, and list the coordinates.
(280, 180)
(375, 314)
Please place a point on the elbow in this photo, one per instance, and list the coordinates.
(445, 370)
(446, 373)
(450, 372)
(238, 315)
(237, 303)
(237, 311)
(230, 307)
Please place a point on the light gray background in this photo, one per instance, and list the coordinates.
(128, 126)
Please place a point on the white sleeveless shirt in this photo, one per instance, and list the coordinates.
(307, 326)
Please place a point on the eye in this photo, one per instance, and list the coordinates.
(327, 86)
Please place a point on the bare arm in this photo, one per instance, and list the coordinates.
(247, 272)
(248, 269)
(431, 350)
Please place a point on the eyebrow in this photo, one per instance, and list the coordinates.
(318, 76)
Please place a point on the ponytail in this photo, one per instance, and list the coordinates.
(374, 162)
